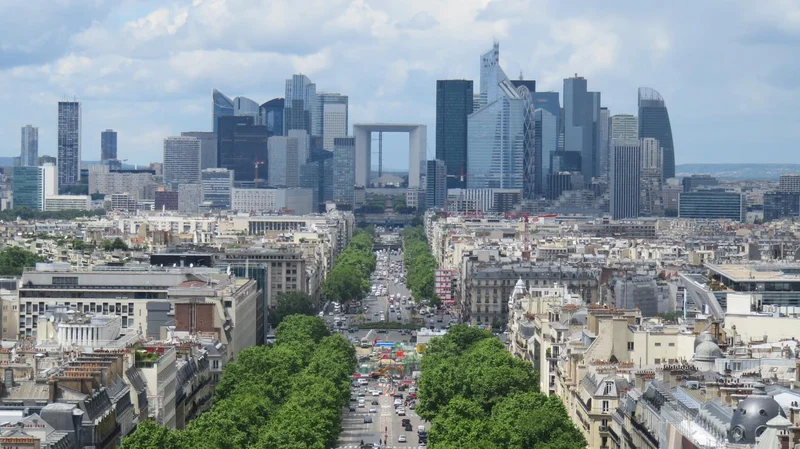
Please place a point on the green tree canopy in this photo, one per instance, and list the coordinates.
(14, 259)
(291, 303)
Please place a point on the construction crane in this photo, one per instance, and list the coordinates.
(256, 163)
(526, 248)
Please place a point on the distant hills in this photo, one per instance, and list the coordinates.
(754, 172)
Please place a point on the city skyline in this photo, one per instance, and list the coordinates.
(405, 51)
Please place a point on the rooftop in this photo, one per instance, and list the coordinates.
(758, 272)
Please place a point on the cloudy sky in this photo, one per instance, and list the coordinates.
(727, 69)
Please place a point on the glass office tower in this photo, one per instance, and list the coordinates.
(300, 105)
(223, 107)
(240, 144)
(108, 145)
(29, 146)
(654, 122)
(69, 143)
(454, 104)
(272, 116)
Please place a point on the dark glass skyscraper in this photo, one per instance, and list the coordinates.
(654, 122)
(317, 175)
(624, 182)
(69, 143)
(581, 124)
(223, 107)
(108, 145)
(454, 102)
(300, 104)
(240, 143)
(272, 116)
(435, 185)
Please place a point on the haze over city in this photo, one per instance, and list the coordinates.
(146, 69)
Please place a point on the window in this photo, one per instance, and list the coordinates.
(658, 345)
(603, 424)
(630, 346)
(228, 304)
(671, 345)
(657, 361)
(606, 406)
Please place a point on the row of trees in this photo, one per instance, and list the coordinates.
(349, 278)
(25, 213)
(286, 396)
(477, 395)
(419, 262)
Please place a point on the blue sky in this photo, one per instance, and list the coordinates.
(727, 69)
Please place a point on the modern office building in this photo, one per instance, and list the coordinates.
(58, 203)
(30, 185)
(108, 145)
(624, 179)
(277, 149)
(241, 145)
(69, 143)
(208, 147)
(496, 140)
(344, 170)
(777, 205)
(652, 171)
(300, 104)
(222, 107)
(330, 118)
(189, 198)
(569, 161)
(545, 127)
(436, 185)
(295, 159)
(491, 76)
(217, 188)
(245, 107)
(259, 200)
(29, 146)
(166, 200)
(581, 124)
(181, 160)
(694, 182)
(317, 175)
(789, 183)
(605, 141)
(711, 205)
(454, 103)
(139, 184)
(272, 116)
(624, 127)
(654, 122)
(558, 183)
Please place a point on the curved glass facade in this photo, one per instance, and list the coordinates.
(272, 116)
(223, 106)
(654, 122)
(246, 107)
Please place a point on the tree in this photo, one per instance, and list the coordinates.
(111, 245)
(301, 329)
(14, 259)
(150, 435)
(291, 303)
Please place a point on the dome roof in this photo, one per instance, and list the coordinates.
(751, 416)
(704, 336)
(520, 284)
(707, 350)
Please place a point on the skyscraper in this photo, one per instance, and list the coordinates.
(240, 144)
(624, 127)
(496, 142)
(217, 188)
(652, 171)
(317, 175)
(69, 143)
(300, 105)
(296, 156)
(624, 182)
(181, 160)
(344, 170)
(108, 145)
(491, 76)
(223, 107)
(581, 117)
(330, 117)
(277, 149)
(272, 116)
(29, 146)
(454, 104)
(436, 185)
(545, 144)
(208, 147)
(654, 122)
(605, 140)
(243, 106)
(31, 185)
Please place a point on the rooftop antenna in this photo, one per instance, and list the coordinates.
(520, 76)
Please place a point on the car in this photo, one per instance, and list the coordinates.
(352, 409)
(361, 393)
(367, 419)
(405, 421)
(374, 402)
(401, 439)
(330, 313)
(373, 410)
(401, 411)
(376, 393)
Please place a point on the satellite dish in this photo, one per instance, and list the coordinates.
(191, 265)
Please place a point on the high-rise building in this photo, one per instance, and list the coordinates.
(31, 185)
(272, 116)
(295, 160)
(181, 160)
(69, 143)
(317, 175)
(712, 205)
(776, 205)
(344, 170)
(108, 145)
(624, 179)
(222, 107)
(281, 161)
(624, 127)
(245, 107)
(569, 161)
(29, 146)
(545, 145)
(454, 103)
(491, 76)
(436, 185)
(694, 182)
(605, 141)
(652, 171)
(240, 146)
(217, 188)
(558, 183)
(300, 105)
(581, 124)
(654, 122)
(208, 147)
(789, 183)
(496, 140)
(165, 200)
(330, 117)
